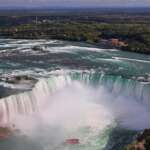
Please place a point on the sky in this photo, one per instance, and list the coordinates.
(68, 3)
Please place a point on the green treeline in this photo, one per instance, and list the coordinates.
(136, 36)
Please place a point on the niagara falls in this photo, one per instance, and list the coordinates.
(61, 95)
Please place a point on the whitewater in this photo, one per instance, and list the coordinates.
(98, 96)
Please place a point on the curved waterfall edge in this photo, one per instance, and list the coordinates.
(29, 102)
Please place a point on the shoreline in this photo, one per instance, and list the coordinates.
(96, 44)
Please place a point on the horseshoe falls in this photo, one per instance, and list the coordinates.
(100, 97)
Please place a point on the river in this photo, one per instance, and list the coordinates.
(99, 96)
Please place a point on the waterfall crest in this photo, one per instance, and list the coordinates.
(29, 102)
(117, 85)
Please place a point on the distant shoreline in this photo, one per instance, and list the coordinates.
(124, 31)
(98, 45)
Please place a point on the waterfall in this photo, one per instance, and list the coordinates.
(117, 85)
(29, 102)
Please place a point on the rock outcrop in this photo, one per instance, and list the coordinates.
(19, 79)
(10, 85)
(142, 141)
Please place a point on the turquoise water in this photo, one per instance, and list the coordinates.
(83, 92)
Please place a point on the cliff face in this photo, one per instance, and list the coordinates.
(142, 141)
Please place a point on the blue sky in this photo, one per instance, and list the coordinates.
(68, 3)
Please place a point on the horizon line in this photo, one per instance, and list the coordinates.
(69, 7)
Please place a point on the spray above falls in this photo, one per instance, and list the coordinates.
(122, 98)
